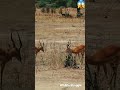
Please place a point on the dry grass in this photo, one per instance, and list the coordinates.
(55, 31)
(54, 56)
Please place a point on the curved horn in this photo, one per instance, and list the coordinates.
(12, 41)
(40, 43)
(43, 44)
(69, 43)
(19, 40)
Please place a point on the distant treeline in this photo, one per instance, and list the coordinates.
(56, 3)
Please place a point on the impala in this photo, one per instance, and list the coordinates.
(7, 55)
(38, 49)
(77, 50)
(105, 56)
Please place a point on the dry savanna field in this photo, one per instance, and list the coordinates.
(55, 31)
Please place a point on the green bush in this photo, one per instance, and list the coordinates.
(57, 3)
(42, 4)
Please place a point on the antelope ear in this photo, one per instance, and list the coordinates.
(43, 44)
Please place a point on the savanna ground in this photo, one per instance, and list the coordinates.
(55, 31)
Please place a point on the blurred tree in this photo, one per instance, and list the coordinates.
(74, 3)
(57, 3)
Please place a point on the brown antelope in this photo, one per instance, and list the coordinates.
(38, 49)
(77, 50)
(7, 55)
(104, 56)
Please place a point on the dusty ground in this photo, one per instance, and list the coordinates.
(55, 32)
(52, 79)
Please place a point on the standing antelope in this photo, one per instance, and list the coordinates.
(77, 50)
(104, 56)
(7, 55)
(38, 49)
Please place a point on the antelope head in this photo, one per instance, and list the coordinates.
(68, 50)
(14, 51)
(68, 44)
(41, 46)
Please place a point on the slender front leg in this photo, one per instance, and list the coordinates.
(78, 55)
(35, 58)
(98, 69)
(115, 73)
(105, 70)
(82, 54)
(2, 69)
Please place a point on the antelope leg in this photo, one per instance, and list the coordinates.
(82, 58)
(115, 79)
(105, 70)
(79, 55)
(98, 69)
(112, 78)
(115, 73)
(2, 69)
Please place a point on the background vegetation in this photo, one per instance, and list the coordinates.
(56, 3)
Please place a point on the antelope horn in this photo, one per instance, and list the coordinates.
(40, 43)
(43, 43)
(69, 43)
(9, 46)
(19, 40)
(12, 41)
